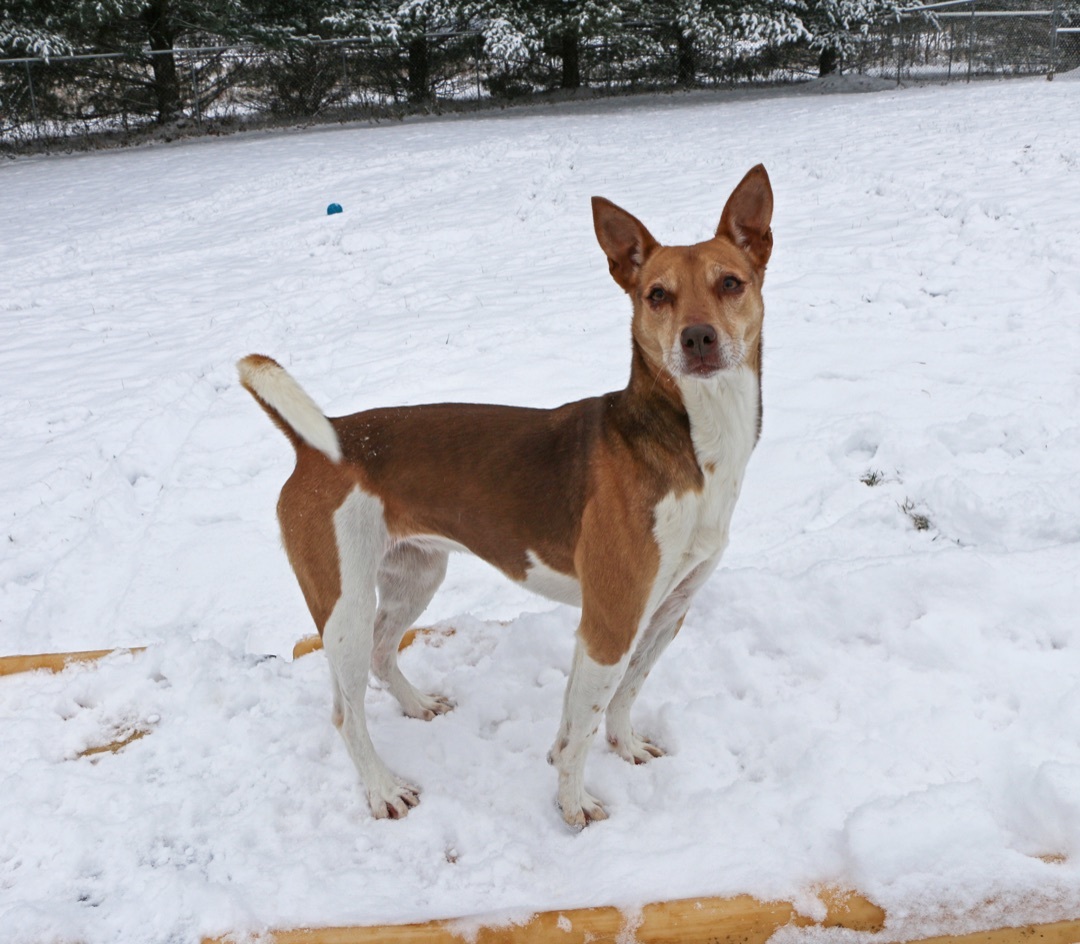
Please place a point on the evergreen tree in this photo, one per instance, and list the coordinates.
(423, 31)
(408, 26)
(700, 27)
(562, 27)
(304, 72)
(837, 27)
(32, 28)
(54, 27)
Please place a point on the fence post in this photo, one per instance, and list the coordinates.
(476, 63)
(900, 49)
(1054, 21)
(952, 49)
(195, 91)
(971, 43)
(33, 99)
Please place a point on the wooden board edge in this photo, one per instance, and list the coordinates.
(116, 746)
(56, 661)
(740, 920)
(1057, 932)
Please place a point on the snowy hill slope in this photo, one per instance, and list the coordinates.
(879, 689)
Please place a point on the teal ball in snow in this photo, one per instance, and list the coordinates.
(333, 208)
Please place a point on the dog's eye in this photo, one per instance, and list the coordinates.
(657, 295)
(730, 284)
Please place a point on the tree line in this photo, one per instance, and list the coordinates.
(513, 34)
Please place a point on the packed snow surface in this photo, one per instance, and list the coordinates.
(878, 690)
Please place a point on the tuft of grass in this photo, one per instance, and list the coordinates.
(921, 522)
(872, 477)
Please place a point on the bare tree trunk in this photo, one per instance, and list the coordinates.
(571, 58)
(686, 64)
(162, 35)
(419, 71)
(828, 61)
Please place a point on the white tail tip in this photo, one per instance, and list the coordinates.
(272, 384)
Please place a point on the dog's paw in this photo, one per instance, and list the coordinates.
(635, 748)
(426, 707)
(582, 810)
(393, 801)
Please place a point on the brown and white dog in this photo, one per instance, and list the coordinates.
(619, 504)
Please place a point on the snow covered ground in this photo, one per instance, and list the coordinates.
(879, 690)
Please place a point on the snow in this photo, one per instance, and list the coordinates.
(852, 701)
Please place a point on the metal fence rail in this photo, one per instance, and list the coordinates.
(83, 100)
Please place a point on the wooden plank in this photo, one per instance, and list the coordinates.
(308, 644)
(58, 661)
(1060, 932)
(551, 932)
(55, 661)
(741, 920)
(113, 746)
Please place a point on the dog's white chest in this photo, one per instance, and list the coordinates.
(693, 528)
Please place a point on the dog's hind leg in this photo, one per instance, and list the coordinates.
(408, 578)
(360, 533)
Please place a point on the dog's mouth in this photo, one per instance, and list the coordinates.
(726, 354)
(695, 366)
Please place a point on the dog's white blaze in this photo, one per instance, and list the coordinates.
(693, 528)
(547, 582)
(274, 385)
(723, 413)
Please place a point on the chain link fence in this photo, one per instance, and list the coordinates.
(91, 100)
(971, 39)
(88, 100)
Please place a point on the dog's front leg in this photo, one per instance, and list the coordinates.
(588, 693)
(624, 740)
(662, 628)
(617, 561)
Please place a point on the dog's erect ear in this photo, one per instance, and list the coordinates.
(625, 241)
(747, 215)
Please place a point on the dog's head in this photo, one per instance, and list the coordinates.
(697, 309)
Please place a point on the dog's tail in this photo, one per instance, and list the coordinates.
(286, 403)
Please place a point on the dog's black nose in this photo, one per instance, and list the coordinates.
(699, 339)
